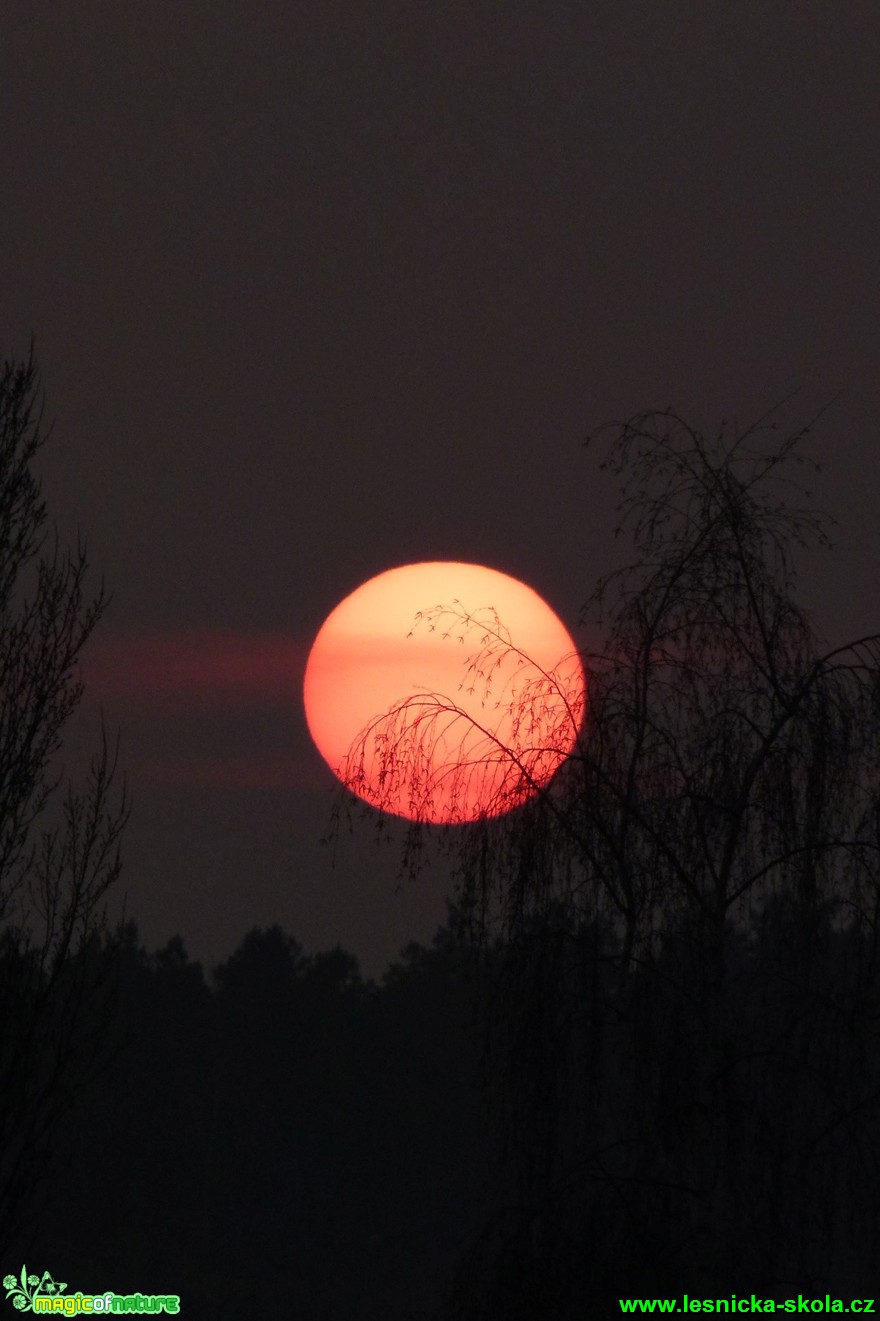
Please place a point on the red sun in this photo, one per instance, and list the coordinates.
(444, 692)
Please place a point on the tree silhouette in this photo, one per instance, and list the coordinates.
(431, 749)
(323, 1135)
(685, 1014)
(54, 872)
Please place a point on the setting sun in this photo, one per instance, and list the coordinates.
(444, 692)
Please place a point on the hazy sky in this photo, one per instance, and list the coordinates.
(321, 288)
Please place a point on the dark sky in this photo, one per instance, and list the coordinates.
(322, 288)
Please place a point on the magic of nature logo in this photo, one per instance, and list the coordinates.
(42, 1293)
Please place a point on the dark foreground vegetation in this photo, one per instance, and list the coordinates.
(685, 1015)
(281, 1134)
(284, 1133)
